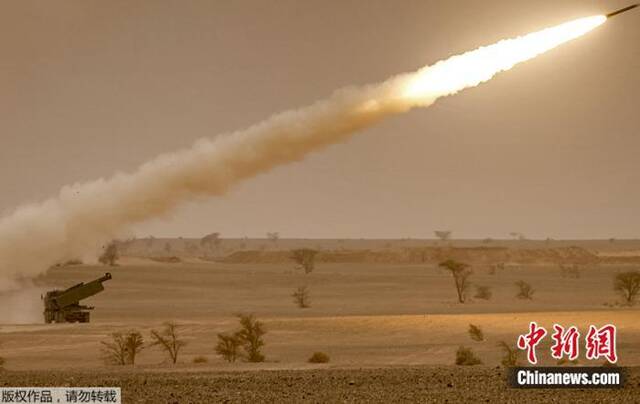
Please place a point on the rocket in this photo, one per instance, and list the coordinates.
(622, 10)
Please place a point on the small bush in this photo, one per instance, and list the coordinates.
(301, 297)
(250, 336)
(227, 347)
(466, 357)
(510, 357)
(319, 357)
(476, 333)
(200, 359)
(123, 348)
(495, 268)
(570, 271)
(305, 258)
(627, 284)
(525, 291)
(483, 292)
(2, 362)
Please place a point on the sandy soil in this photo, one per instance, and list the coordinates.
(361, 315)
(389, 385)
(380, 324)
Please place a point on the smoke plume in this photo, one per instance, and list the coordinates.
(82, 217)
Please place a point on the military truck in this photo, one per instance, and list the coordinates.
(63, 306)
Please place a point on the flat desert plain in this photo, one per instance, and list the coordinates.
(387, 319)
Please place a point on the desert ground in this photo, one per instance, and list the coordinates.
(382, 310)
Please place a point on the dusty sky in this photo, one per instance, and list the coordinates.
(89, 88)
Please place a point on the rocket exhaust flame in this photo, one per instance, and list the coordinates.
(475, 67)
(85, 216)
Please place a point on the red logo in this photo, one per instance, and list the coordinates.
(565, 342)
(531, 340)
(601, 342)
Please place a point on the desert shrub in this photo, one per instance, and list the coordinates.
(200, 359)
(460, 272)
(494, 268)
(109, 255)
(466, 357)
(627, 284)
(168, 340)
(251, 337)
(301, 297)
(525, 291)
(476, 333)
(227, 346)
(483, 292)
(123, 348)
(2, 362)
(510, 357)
(319, 357)
(305, 258)
(570, 271)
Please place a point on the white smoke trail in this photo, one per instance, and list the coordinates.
(84, 216)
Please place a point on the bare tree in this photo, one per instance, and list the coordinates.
(251, 337)
(443, 235)
(123, 348)
(110, 254)
(460, 272)
(134, 344)
(227, 346)
(525, 290)
(114, 352)
(627, 284)
(305, 258)
(301, 297)
(168, 340)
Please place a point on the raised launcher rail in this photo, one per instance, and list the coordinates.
(63, 306)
